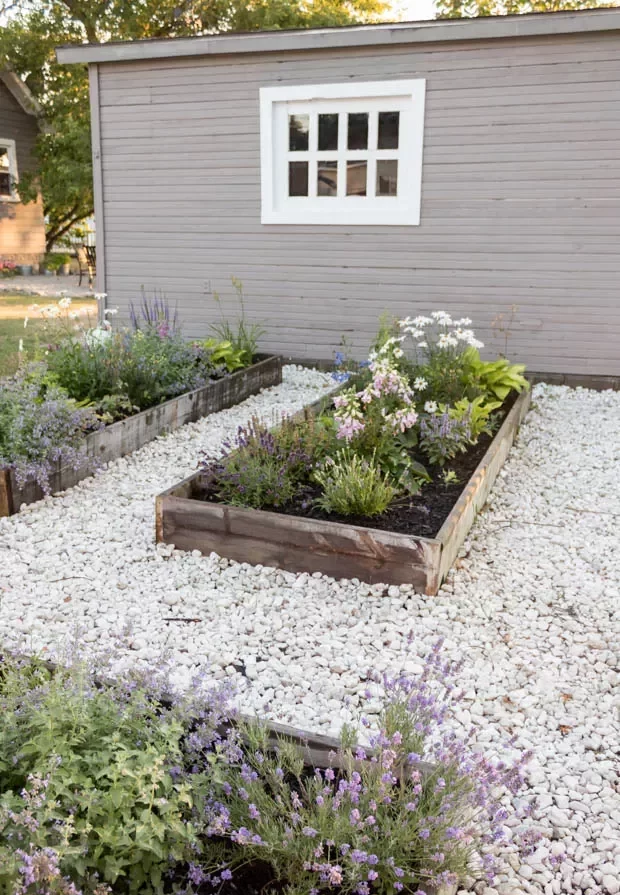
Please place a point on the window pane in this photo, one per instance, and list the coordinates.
(356, 178)
(327, 178)
(298, 178)
(298, 130)
(387, 177)
(328, 132)
(5, 184)
(358, 130)
(4, 158)
(388, 130)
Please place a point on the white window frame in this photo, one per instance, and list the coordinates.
(277, 103)
(5, 143)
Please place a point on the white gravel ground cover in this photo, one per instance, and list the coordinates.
(532, 608)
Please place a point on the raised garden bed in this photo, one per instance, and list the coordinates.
(124, 437)
(298, 544)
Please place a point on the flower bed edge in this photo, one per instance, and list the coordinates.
(128, 435)
(299, 544)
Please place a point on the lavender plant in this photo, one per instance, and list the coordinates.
(380, 819)
(263, 467)
(131, 787)
(39, 425)
(442, 437)
(154, 315)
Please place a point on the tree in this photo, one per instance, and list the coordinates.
(36, 27)
(457, 9)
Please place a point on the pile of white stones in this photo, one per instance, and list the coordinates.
(532, 608)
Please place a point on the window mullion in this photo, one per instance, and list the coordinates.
(313, 144)
(373, 134)
(342, 155)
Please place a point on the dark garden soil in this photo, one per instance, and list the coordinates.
(422, 515)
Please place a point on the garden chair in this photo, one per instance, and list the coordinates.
(87, 260)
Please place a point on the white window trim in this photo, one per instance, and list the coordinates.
(401, 210)
(10, 145)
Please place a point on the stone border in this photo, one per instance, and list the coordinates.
(128, 435)
(299, 544)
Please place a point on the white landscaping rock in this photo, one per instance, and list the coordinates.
(532, 608)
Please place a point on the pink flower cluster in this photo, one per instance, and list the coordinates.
(388, 391)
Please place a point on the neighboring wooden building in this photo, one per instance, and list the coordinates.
(488, 151)
(22, 229)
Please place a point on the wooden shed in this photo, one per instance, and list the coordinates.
(468, 165)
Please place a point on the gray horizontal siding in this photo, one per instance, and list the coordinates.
(520, 199)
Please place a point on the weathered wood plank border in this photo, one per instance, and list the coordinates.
(300, 544)
(126, 436)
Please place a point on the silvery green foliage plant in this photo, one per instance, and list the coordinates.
(128, 787)
(39, 425)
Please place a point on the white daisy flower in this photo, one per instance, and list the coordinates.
(420, 384)
(64, 303)
(422, 344)
(430, 406)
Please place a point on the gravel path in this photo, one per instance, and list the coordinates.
(532, 608)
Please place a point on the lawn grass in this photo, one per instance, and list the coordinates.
(13, 310)
(11, 331)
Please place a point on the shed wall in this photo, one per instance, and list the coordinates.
(520, 221)
(22, 231)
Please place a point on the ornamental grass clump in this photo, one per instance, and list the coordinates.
(353, 486)
(39, 426)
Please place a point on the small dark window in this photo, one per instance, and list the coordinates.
(328, 132)
(298, 132)
(5, 174)
(357, 130)
(388, 130)
(298, 178)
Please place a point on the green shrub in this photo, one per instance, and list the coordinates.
(495, 378)
(353, 485)
(143, 366)
(94, 782)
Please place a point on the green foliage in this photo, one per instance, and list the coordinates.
(55, 260)
(478, 414)
(142, 367)
(495, 378)
(223, 353)
(353, 486)
(263, 467)
(85, 771)
(111, 408)
(244, 336)
(388, 329)
(457, 9)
